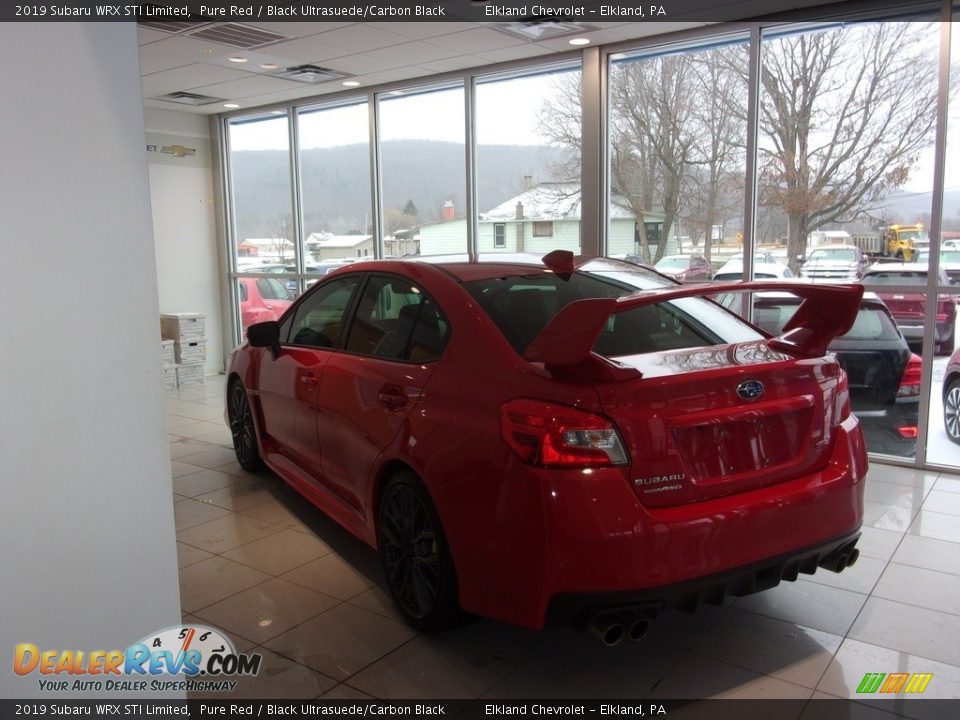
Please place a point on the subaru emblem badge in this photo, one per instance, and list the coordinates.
(750, 390)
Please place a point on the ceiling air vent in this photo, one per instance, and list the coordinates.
(308, 74)
(170, 26)
(189, 98)
(236, 35)
(536, 29)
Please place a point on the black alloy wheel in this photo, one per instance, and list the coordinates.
(241, 428)
(951, 411)
(415, 557)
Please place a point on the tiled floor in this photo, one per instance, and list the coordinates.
(261, 563)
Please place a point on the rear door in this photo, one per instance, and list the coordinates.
(367, 390)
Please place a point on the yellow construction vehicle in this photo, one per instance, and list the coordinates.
(901, 240)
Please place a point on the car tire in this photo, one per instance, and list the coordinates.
(415, 555)
(951, 411)
(242, 429)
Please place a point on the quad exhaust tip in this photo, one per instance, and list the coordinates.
(611, 628)
(840, 560)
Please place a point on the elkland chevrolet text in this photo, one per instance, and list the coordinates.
(558, 444)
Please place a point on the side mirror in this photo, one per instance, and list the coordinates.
(265, 334)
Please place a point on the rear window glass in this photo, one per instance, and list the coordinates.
(872, 323)
(834, 254)
(521, 306)
(891, 277)
(674, 262)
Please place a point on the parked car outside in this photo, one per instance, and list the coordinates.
(732, 271)
(836, 263)
(882, 373)
(290, 283)
(909, 308)
(261, 299)
(542, 444)
(685, 268)
(951, 398)
(949, 263)
(758, 257)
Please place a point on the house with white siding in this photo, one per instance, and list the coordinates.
(543, 218)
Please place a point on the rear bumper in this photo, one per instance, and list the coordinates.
(912, 330)
(566, 540)
(576, 609)
(880, 429)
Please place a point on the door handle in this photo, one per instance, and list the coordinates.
(392, 397)
(309, 380)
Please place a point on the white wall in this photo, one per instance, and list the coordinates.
(86, 515)
(184, 228)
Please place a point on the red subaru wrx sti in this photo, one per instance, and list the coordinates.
(554, 444)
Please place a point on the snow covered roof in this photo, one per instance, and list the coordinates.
(549, 201)
(266, 242)
(316, 241)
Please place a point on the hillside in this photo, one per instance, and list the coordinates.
(336, 182)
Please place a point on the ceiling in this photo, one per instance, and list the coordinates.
(175, 60)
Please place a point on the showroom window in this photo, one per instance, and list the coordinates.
(261, 192)
(847, 124)
(261, 204)
(528, 160)
(334, 163)
(423, 171)
(943, 416)
(676, 150)
(845, 111)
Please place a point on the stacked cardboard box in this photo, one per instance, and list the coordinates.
(169, 359)
(187, 331)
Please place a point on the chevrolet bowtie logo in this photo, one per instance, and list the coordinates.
(178, 150)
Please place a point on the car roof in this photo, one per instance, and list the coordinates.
(869, 298)
(494, 265)
(769, 266)
(897, 267)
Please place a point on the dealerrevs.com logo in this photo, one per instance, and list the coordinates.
(191, 652)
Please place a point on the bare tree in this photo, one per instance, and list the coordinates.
(667, 148)
(844, 115)
(715, 189)
(652, 124)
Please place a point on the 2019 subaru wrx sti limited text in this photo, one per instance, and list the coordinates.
(549, 444)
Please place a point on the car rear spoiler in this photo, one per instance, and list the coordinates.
(566, 343)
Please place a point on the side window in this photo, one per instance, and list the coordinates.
(243, 292)
(499, 235)
(320, 317)
(396, 320)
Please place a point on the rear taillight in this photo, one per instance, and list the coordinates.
(841, 401)
(910, 380)
(548, 435)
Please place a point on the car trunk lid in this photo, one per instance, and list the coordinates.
(703, 422)
(747, 417)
